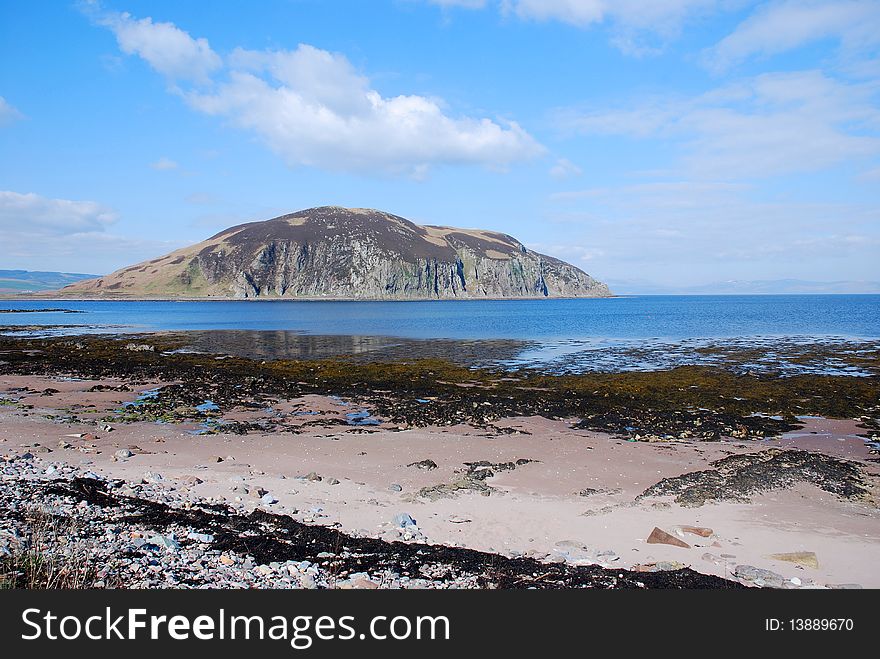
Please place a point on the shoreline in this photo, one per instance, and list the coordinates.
(56, 298)
(526, 480)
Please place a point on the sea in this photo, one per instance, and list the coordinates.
(627, 332)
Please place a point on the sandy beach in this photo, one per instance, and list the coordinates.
(555, 492)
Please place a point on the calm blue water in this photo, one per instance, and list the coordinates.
(640, 317)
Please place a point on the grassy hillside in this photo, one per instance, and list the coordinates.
(26, 281)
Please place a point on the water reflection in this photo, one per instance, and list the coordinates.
(293, 345)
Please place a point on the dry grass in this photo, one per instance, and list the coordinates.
(50, 555)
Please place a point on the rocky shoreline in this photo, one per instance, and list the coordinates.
(275, 472)
(138, 535)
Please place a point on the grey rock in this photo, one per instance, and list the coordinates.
(403, 520)
(759, 576)
(201, 537)
(166, 542)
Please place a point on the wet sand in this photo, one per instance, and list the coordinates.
(576, 500)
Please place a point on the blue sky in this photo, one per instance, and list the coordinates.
(678, 142)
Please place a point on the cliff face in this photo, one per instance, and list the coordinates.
(333, 252)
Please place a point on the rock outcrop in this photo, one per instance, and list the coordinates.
(342, 253)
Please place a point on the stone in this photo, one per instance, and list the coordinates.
(701, 531)
(426, 465)
(201, 537)
(123, 453)
(191, 480)
(759, 576)
(802, 558)
(660, 537)
(358, 584)
(403, 520)
(166, 542)
(394, 487)
(268, 499)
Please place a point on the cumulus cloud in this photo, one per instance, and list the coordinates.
(313, 107)
(51, 216)
(164, 164)
(8, 113)
(771, 124)
(165, 47)
(780, 26)
(41, 233)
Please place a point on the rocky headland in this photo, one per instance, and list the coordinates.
(347, 253)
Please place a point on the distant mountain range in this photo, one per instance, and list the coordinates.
(27, 281)
(332, 252)
(738, 287)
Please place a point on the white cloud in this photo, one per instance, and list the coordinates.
(708, 230)
(780, 26)
(8, 113)
(165, 47)
(637, 27)
(565, 168)
(567, 252)
(164, 164)
(766, 125)
(41, 233)
(40, 214)
(313, 108)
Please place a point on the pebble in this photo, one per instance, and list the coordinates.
(759, 576)
(403, 520)
(201, 537)
(166, 542)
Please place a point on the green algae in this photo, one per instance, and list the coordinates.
(702, 402)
